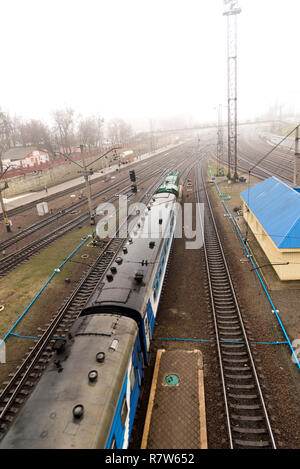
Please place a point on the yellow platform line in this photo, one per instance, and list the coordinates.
(202, 413)
(151, 399)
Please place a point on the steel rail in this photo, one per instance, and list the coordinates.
(43, 223)
(14, 259)
(217, 268)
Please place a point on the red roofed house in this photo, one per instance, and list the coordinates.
(24, 157)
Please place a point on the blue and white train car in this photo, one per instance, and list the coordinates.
(88, 394)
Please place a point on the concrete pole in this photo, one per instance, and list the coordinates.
(88, 186)
(297, 158)
(5, 217)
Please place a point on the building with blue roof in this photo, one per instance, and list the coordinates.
(272, 210)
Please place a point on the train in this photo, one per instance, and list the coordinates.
(88, 394)
(127, 156)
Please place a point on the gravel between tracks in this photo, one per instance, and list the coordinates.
(280, 378)
(184, 313)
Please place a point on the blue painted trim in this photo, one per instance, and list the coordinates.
(262, 283)
(31, 337)
(117, 431)
(223, 341)
(151, 318)
(138, 371)
(146, 357)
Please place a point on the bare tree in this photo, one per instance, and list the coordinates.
(6, 129)
(90, 131)
(65, 128)
(87, 132)
(125, 131)
(118, 131)
(99, 124)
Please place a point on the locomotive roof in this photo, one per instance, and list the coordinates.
(171, 184)
(124, 290)
(46, 420)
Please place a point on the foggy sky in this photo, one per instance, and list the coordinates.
(143, 59)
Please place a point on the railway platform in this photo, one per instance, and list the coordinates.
(176, 416)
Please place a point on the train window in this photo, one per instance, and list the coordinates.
(132, 377)
(124, 411)
(137, 356)
(113, 443)
(155, 288)
(172, 217)
(159, 272)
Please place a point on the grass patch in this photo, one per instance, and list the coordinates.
(20, 286)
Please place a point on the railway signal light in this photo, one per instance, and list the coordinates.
(134, 188)
(132, 176)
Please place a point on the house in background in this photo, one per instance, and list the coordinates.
(24, 157)
(272, 210)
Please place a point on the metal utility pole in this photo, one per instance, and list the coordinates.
(3, 186)
(86, 172)
(297, 157)
(151, 137)
(231, 11)
(88, 186)
(220, 148)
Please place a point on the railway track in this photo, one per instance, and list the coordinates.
(70, 190)
(17, 390)
(53, 218)
(259, 172)
(247, 419)
(49, 198)
(18, 257)
(279, 163)
(75, 206)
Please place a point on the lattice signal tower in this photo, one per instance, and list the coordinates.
(231, 11)
(220, 148)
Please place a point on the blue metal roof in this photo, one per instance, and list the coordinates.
(277, 207)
